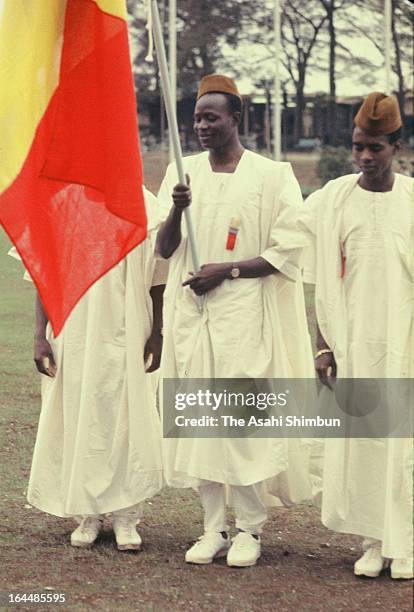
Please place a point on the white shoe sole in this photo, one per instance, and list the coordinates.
(369, 574)
(401, 576)
(220, 553)
(129, 546)
(249, 563)
(79, 544)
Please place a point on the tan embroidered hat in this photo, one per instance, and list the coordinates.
(379, 115)
(217, 83)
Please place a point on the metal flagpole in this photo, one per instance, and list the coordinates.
(172, 123)
(387, 44)
(172, 57)
(277, 115)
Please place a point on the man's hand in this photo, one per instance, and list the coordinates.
(44, 358)
(208, 277)
(182, 195)
(325, 366)
(152, 351)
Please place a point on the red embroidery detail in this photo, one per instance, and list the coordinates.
(343, 261)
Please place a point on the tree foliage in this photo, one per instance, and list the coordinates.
(318, 36)
(301, 27)
(204, 29)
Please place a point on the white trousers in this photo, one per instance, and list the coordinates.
(251, 513)
(370, 543)
(132, 512)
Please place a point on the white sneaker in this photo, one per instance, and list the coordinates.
(126, 535)
(244, 551)
(402, 568)
(371, 563)
(208, 547)
(86, 533)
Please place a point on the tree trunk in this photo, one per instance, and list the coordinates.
(267, 123)
(299, 110)
(398, 67)
(332, 127)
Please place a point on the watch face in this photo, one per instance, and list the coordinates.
(235, 272)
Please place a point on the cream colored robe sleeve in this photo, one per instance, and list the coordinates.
(307, 224)
(160, 274)
(156, 214)
(285, 243)
(164, 196)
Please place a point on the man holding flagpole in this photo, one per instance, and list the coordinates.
(251, 322)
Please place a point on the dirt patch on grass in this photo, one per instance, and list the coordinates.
(303, 566)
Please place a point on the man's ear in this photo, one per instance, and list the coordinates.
(237, 117)
(397, 145)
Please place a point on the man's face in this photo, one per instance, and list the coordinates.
(214, 123)
(372, 154)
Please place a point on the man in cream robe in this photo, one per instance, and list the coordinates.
(361, 231)
(249, 327)
(98, 443)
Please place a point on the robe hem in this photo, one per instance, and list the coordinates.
(220, 478)
(366, 531)
(120, 504)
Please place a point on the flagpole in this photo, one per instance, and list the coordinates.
(277, 115)
(172, 57)
(387, 43)
(172, 123)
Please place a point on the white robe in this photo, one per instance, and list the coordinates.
(249, 328)
(98, 444)
(367, 318)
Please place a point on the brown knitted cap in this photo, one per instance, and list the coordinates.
(217, 83)
(379, 115)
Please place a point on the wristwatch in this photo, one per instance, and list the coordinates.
(234, 273)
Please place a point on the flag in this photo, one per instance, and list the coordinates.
(71, 196)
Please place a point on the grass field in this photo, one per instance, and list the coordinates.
(303, 567)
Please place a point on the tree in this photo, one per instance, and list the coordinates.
(402, 25)
(330, 7)
(301, 26)
(203, 30)
(340, 22)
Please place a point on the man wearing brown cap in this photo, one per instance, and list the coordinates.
(252, 321)
(361, 259)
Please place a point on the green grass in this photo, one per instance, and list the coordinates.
(296, 572)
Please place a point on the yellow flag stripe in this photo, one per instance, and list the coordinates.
(114, 7)
(31, 35)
